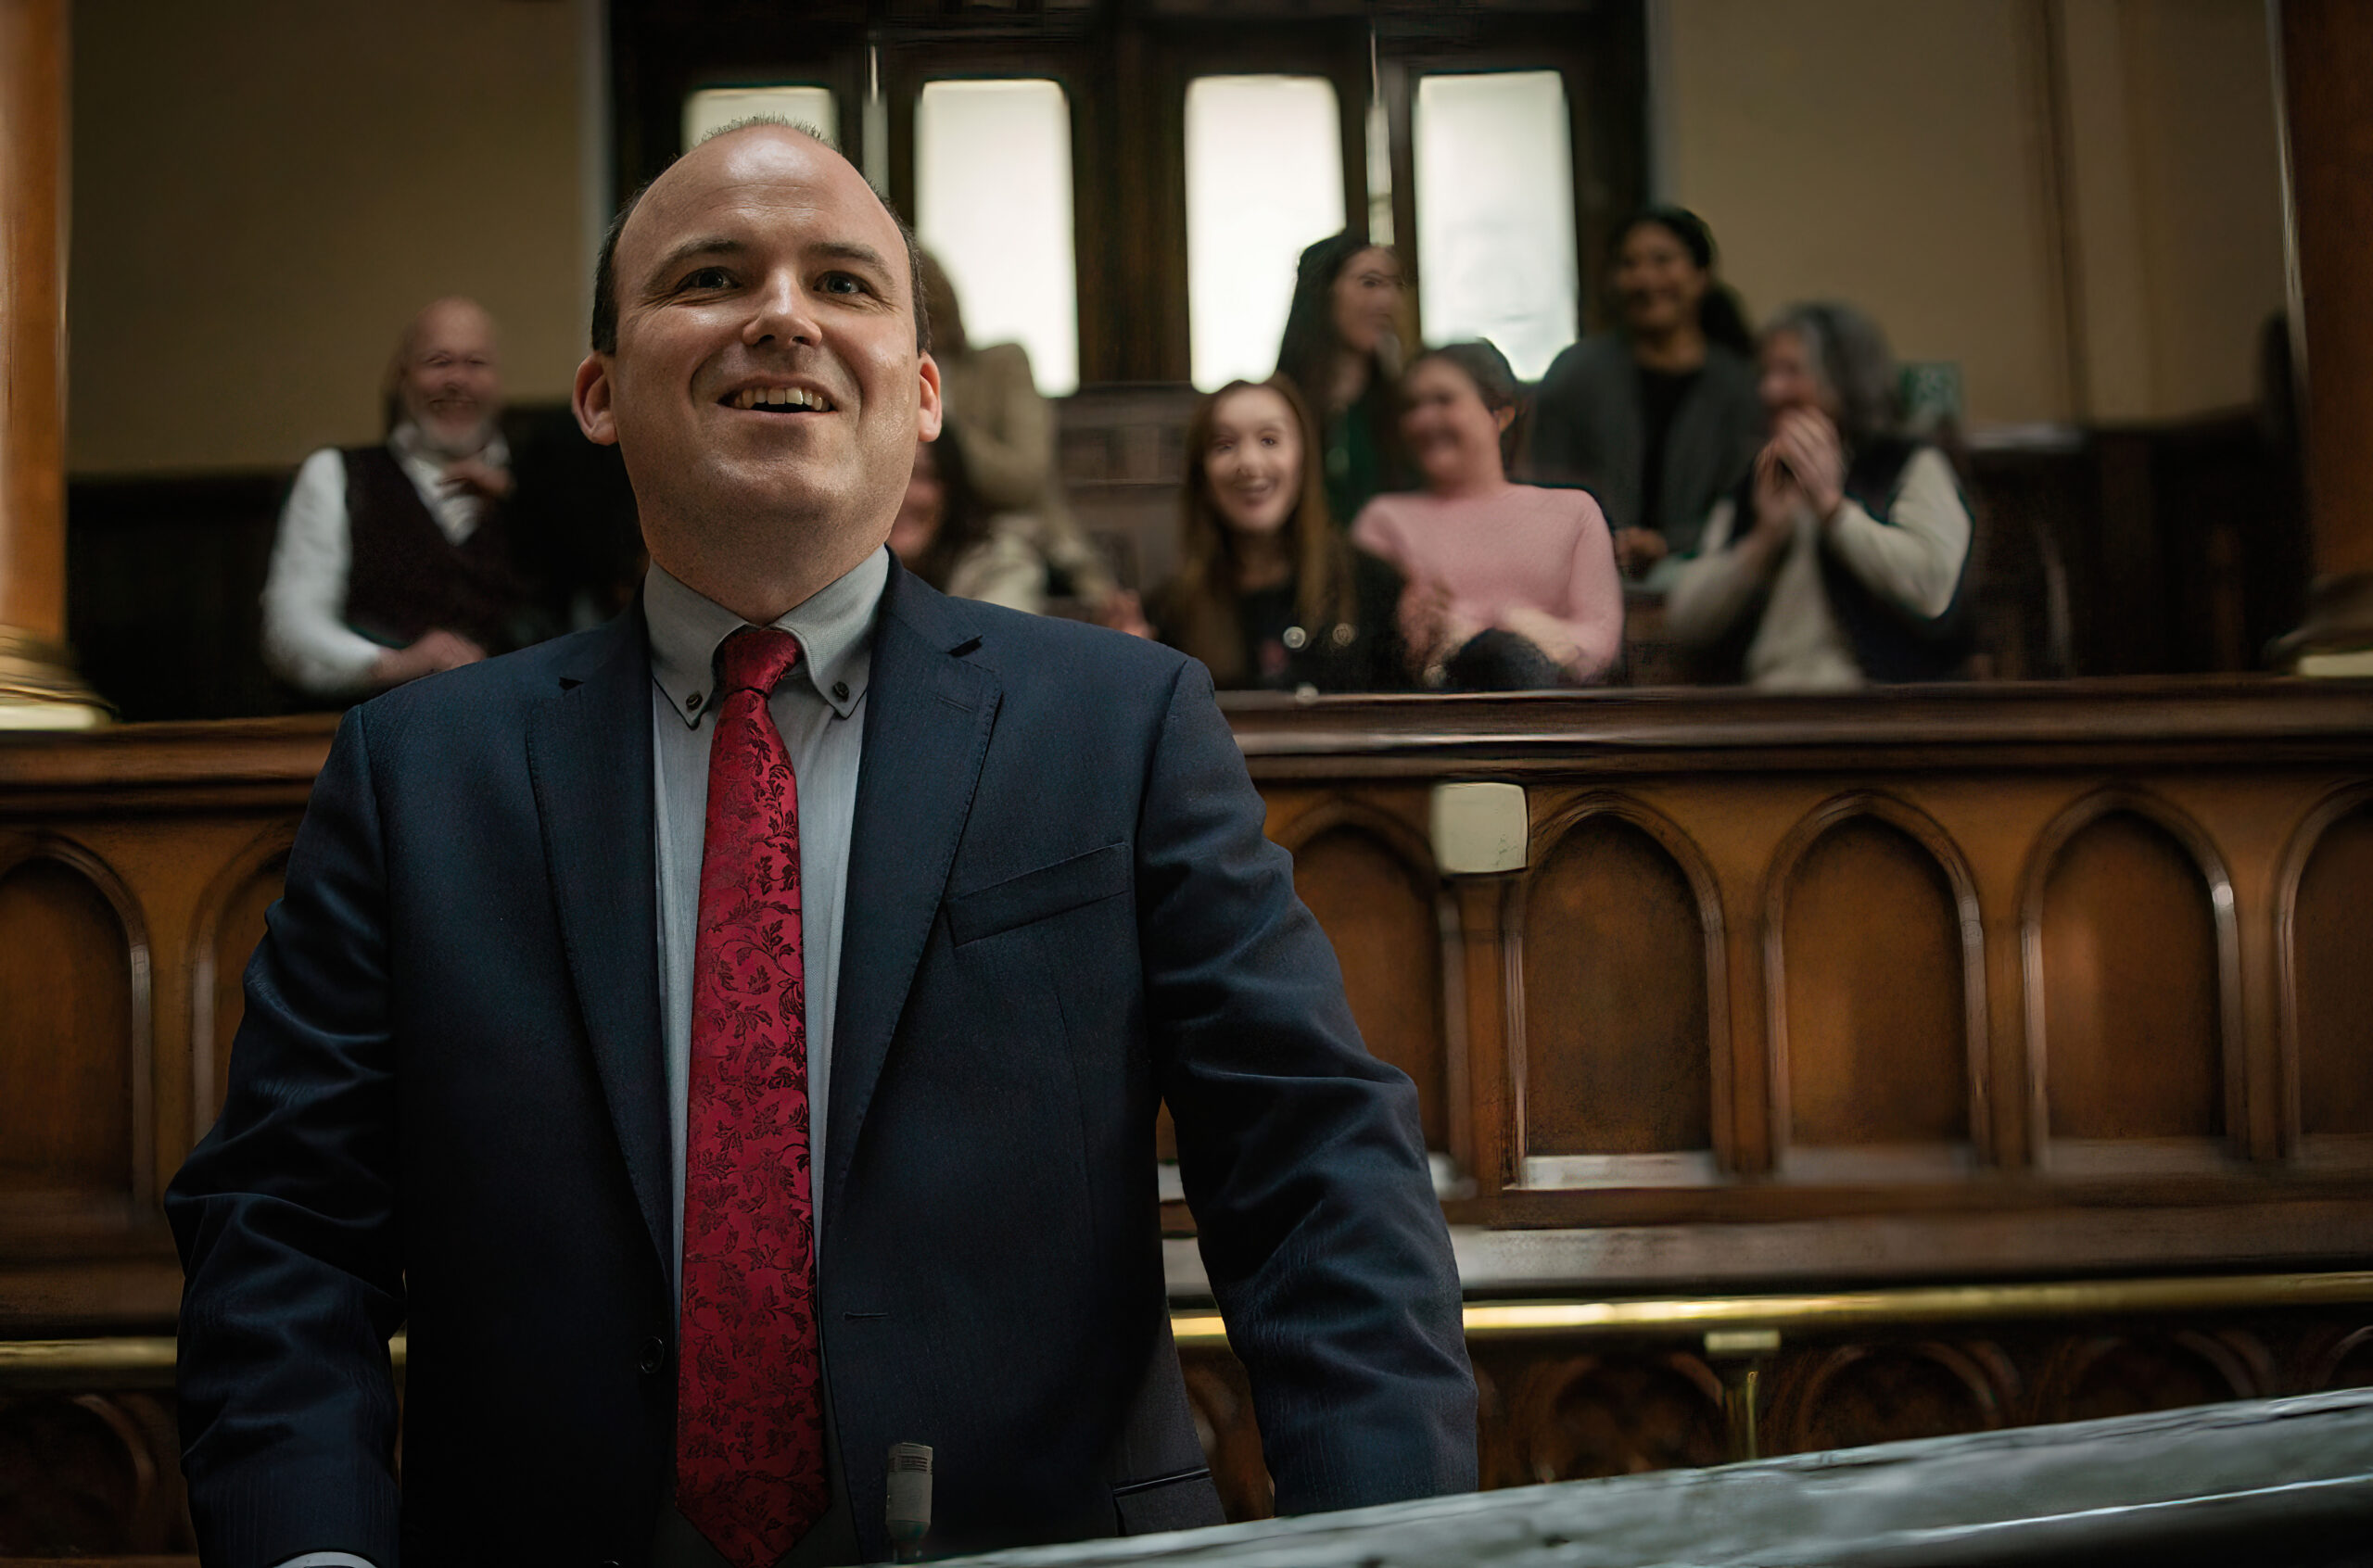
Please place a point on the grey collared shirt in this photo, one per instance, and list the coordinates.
(819, 708)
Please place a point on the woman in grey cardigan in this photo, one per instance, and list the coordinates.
(1657, 419)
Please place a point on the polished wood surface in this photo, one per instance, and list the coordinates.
(2016, 949)
(33, 318)
(1986, 978)
(1974, 985)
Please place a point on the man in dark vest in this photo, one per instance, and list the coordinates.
(394, 561)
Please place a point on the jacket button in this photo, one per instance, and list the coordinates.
(655, 1354)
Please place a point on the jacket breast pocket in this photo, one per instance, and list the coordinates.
(1035, 895)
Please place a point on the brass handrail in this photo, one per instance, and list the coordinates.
(1499, 1320)
(53, 1361)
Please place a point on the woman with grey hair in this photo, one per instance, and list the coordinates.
(1839, 561)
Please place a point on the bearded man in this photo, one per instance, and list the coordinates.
(394, 561)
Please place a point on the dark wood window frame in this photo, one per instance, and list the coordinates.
(1124, 66)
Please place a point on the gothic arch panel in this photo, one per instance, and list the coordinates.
(73, 978)
(1377, 908)
(1616, 1414)
(2116, 1374)
(2332, 979)
(1617, 1051)
(2129, 945)
(1874, 1007)
(230, 924)
(1862, 1394)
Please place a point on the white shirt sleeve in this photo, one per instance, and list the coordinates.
(306, 640)
(1714, 589)
(1915, 557)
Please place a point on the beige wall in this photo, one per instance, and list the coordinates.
(1903, 157)
(265, 190)
(2179, 199)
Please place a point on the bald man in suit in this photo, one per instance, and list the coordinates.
(730, 1039)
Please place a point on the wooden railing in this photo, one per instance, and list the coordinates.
(1963, 1004)
(1974, 979)
(1977, 981)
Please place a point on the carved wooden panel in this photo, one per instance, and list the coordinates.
(2128, 1373)
(1615, 1413)
(1889, 1392)
(68, 1048)
(1377, 908)
(2332, 979)
(90, 1474)
(2132, 1042)
(238, 924)
(1616, 1056)
(1876, 1038)
(2345, 1362)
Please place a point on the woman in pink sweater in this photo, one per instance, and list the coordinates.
(1512, 587)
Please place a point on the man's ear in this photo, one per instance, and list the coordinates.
(1506, 416)
(590, 399)
(927, 414)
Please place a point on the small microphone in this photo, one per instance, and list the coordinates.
(907, 1507)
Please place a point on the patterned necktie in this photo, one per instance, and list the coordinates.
(749, 1404)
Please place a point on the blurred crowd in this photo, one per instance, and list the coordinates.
(1375, 516)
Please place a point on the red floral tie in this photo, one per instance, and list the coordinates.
(749, 1404)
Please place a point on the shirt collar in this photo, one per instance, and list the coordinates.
(834, 626)
(405, 441)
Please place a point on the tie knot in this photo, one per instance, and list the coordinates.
(754, 659)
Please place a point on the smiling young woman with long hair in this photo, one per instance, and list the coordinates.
(1511, 587)
(1267, 592)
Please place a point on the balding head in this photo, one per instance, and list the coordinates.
(759, 363)
(445, 379)
(604, 337)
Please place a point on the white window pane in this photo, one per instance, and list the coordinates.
(1495, 214)
(713, 106)
(1264, 178)
(993, 198)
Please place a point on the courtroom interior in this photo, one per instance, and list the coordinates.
(1877, 919)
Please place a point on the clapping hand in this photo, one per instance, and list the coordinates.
(1777, 496)
(1432, 629)
(1808, 444)
(1638, 549)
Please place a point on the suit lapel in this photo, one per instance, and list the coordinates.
(928, 716)
(588, 756)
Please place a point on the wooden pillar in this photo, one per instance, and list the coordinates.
(2327, 62)
(38, 689)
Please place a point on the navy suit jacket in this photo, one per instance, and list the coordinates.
(447, 1111)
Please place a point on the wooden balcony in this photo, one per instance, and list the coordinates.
(1810, 1072)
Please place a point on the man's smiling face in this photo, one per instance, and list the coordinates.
(445, 377)
(767, 389)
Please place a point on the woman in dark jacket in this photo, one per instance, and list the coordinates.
(1659, 418)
